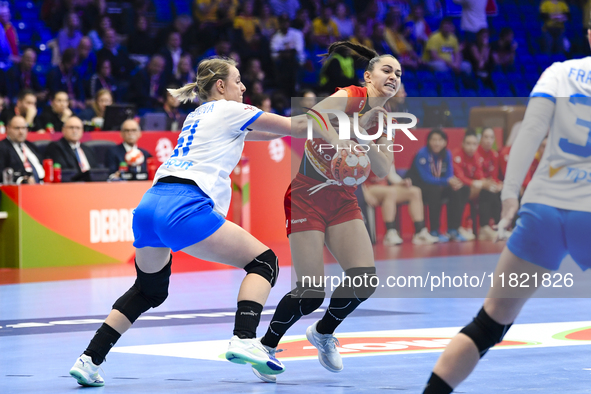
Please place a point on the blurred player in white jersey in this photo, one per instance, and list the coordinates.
(555, 216)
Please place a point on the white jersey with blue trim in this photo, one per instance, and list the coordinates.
(563, 177)
(209, 147)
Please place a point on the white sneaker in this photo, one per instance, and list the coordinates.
(328, 355)
(263, 376)
(392, 238)
(86, 372)
(468, 234)
(424, 238)
(252, 351)
(486, 233)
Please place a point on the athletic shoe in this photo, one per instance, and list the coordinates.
(252, 351)
(263, 376)
(424, 238)
(486, 233)
(441, 237)
(468, 234)
(86, 372)
(392, 238)
(455, 236)
(328, 355)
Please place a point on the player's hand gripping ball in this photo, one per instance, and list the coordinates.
(350, 168)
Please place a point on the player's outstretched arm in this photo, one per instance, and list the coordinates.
(536, 123)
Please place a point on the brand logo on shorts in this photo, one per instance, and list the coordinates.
(295, 221)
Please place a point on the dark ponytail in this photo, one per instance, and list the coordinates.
(360, 50)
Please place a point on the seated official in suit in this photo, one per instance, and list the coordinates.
(19, 154)
(128, 152)
(69, 152)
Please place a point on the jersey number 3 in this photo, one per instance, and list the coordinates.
(183, 148)
(569, 147)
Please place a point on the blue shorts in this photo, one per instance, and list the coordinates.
(174, 215)
(544, 235)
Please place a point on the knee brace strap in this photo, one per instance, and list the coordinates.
(310, 298)
(148, 291)
(360, 283)
(485, 332)
(265, 265)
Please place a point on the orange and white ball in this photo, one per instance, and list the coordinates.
(350, 168)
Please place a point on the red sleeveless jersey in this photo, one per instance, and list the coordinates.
(320, 160)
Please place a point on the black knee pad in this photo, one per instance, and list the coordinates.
(266, 265)
(485, 332)
(310, 298)
(360, 283)
(148, 291)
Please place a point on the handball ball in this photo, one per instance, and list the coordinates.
(134, 157)
(350, 168)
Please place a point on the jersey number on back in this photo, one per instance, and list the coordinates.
(181, 147)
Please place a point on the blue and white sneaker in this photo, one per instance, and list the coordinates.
(441, 237)
(263, 376)
(328, 354)
(86, 372)
(455, 236)
(252, 351)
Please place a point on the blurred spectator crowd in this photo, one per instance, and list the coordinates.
(65, 57)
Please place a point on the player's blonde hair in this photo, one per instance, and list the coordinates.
(208, 72)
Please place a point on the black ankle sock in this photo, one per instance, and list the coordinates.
(419, 226)
(104, 339)
(436, 385)
(390, 226)
(247, 319)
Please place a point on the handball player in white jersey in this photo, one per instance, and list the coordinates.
(554, 219)
(185, 210)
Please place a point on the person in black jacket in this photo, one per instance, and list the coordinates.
(55, 114)
(19, 154)
(64, 77)
(26, 106)
(137, 163)
(148, 85)
(69, 152)
(23, 76)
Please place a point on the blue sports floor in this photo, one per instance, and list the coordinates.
(388, 344)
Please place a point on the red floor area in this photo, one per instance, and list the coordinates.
(185, 263)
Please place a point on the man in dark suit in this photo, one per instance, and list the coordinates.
(69, 152)
(64, 77)
(149, 84)
(19, 154)
(23, 76)
(117, 54)
(172, 53)
(136, 160)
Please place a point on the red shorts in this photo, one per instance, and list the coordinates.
(327, 207)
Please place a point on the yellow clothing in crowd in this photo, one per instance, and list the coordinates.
(445, 47)
(319, 28)
(248, 25)
(397, 42)
(549, 7)
(206, 10)
(366, 42)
